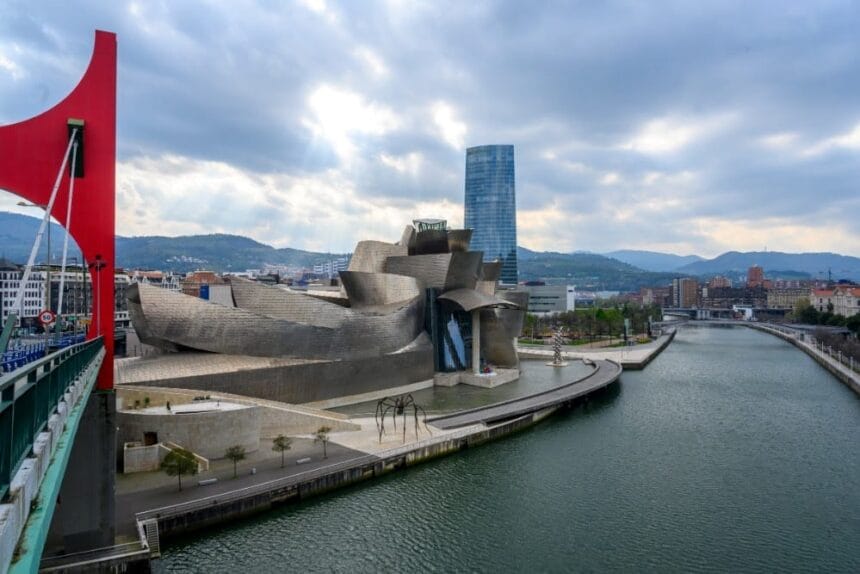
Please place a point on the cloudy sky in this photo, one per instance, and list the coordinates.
(690, 127)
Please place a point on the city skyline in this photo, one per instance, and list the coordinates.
(697, 129)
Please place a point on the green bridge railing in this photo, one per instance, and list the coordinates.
(30, 396)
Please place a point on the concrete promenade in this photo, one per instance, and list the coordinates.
(605, 373)
(631, 358)
(353, 456)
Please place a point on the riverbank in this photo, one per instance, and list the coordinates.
(450, 433)
(846, 375)
(633, 358)
(728, 427)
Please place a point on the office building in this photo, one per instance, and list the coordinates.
(685, 292)
(490, 206)
(548, 299)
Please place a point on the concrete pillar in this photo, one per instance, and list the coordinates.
(476, 341)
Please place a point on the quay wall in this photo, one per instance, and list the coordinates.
(852, 380)
(632, 365)
(184, 518)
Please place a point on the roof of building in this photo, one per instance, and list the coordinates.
(470, 299)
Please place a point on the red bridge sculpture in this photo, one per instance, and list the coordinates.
(30, 155)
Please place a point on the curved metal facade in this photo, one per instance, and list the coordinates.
(188, 322)
(371, 335)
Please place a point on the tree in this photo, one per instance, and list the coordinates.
(281, 444)
(853, 323)
(322, 436)
(235, 454)
(178, 462)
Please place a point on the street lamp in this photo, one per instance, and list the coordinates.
(48, 267)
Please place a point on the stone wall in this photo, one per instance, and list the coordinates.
(208, 434)
(277, 418)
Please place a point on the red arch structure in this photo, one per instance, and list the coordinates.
(30, 155)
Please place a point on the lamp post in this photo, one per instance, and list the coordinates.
(48, 266)
(97, 266)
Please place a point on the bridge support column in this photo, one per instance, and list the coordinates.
(85, 513)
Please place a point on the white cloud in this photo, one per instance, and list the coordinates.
(188, 196)
(610, 178)
(452, 130)
(338, 116)
(778, 141)
(671, 134)
(372, 61)
(10, 67)
(849, 140)
(409, 163)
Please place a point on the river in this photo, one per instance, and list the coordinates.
(732, 452)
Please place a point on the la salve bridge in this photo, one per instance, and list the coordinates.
(57, 414)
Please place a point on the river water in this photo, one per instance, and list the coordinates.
(732, 452)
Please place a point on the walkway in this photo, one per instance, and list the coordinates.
(633, 357)
(605, 372)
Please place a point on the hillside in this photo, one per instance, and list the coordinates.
(812, 264)
(217, 252)
(653, 260)
(588, 271)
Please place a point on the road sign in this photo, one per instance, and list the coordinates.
(47, 317)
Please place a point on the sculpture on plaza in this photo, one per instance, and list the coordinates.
(398, 406)
(557, 343)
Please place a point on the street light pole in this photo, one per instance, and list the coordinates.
(48, 266)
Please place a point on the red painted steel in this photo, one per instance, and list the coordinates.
(30, 155)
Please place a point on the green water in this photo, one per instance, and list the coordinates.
(731, 452)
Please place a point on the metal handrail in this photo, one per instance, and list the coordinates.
(30, 395)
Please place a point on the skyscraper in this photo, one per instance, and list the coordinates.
(491, 206)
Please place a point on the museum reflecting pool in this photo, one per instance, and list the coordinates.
(731, 452)
(536, 376)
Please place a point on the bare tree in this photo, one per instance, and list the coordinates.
(235, 454)
(281, 444)
(322, 436)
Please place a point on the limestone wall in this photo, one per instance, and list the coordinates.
(208, 434)
(277, 418)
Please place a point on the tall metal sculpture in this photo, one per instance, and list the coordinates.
(557, 342)
(398, 406)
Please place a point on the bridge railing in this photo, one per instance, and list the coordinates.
(29, 396)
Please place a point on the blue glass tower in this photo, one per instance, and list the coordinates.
(491, 205)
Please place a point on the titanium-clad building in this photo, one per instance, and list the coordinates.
(491, 207)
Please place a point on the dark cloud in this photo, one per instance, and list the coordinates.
(571, 84)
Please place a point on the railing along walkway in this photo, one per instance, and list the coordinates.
(30, 396)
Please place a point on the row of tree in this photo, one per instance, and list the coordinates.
(597, 323)
(179, 461)
(805, 313)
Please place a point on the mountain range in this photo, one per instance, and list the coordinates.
(623, 270)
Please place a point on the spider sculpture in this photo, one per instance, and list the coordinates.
(398, 406)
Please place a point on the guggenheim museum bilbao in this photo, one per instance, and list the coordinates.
(424, 308)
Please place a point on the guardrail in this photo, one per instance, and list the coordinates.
(29, 396)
